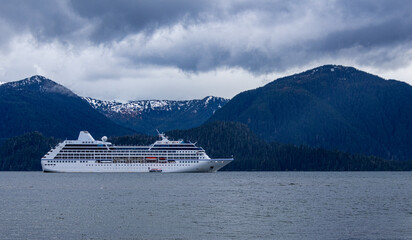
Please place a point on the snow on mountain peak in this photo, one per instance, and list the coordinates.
(134, 108)
(207, 100)
(39, 83)
(36, 79)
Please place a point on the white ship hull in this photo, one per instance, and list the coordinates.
(209, 165)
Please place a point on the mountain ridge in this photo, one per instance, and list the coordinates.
(146, 116)
(136, 107)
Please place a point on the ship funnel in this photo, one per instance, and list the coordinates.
(85, 136)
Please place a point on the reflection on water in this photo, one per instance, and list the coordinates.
(223, 205)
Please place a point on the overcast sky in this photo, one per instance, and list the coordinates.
(129, 49)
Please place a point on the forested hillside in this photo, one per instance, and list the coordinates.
(329, 107)
(23, 153)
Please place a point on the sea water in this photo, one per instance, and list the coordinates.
(223, 205)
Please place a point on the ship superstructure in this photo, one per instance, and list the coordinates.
(89, 155)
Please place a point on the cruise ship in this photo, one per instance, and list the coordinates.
(89, 155)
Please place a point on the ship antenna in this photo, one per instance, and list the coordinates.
(161, 135)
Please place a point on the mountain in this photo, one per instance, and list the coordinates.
(146, 116)
(332, 107)
(39, 104)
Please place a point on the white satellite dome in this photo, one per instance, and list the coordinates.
(104, 138)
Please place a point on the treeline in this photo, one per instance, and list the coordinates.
(23, 153)
(223, 139)
(219, 139)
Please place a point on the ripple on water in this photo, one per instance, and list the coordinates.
(225, 205)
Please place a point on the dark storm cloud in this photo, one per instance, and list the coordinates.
(258, 36)
(114, 20)
(390, 24)
(44, 19)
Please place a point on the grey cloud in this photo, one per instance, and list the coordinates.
(388, 33)
(114, 20)
(365, 25)
(110, 20)
(45, 20)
